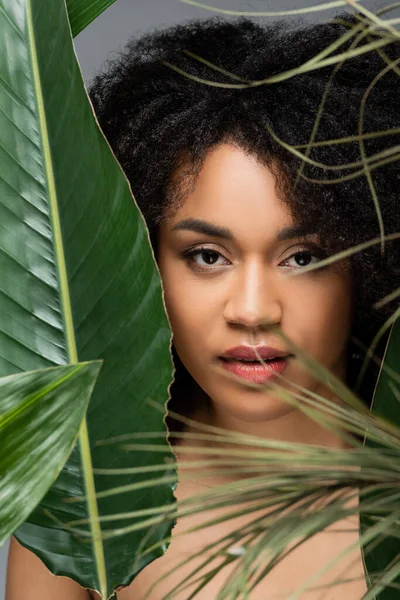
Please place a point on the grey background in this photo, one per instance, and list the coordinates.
(106, 36)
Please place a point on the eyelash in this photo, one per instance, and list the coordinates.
(189, 255)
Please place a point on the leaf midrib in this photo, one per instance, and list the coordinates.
(87, 468)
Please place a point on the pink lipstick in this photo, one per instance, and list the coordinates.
(244, 362)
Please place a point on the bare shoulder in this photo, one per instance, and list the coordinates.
(28, 578)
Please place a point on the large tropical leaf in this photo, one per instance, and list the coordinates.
(78, 283)
(386, 403)
(40, 415)
(82, 12)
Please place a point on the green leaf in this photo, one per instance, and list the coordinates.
(78, 283)
(386, 403)
(82, 12)
(40, 415)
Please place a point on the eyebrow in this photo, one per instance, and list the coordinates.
(206, 228)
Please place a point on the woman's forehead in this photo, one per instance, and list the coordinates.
(235, 192)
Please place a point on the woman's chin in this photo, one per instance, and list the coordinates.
(251, 407)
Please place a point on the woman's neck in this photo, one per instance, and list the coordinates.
(293, 426)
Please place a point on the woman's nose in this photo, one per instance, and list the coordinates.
(253, 298)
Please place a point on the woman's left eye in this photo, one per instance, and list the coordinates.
(302, 258)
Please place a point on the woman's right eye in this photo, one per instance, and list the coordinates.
(204, 258)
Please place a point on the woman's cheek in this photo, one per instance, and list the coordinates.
(321, 316)
(182, 305)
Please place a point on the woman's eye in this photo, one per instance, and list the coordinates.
(303, 258)
(205, 257)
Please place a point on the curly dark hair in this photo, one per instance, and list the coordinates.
(157, 119)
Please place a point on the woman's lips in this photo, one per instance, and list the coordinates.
(255, 372)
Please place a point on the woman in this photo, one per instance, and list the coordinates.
(226, 221)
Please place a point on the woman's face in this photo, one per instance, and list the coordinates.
(223, 257)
